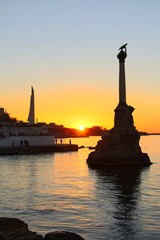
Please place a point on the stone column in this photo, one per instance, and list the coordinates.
(122, 81)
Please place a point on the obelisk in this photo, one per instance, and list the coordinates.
(120, 146)
(31, 116)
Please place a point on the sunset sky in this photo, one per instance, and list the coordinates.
(66, 50)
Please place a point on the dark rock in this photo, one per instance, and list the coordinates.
(10, 224)
(15, 229)
(62, 236)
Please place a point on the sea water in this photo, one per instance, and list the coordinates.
(59, 192)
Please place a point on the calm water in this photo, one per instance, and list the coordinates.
(59, 192)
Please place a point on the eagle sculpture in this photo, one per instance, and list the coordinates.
(124, 46)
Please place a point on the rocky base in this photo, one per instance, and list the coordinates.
(104, 160)
(15, 229)
(121, 145)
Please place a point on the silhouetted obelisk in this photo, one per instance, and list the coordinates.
(31, 116)
(120, 146)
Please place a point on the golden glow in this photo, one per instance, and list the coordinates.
(89, 105)
(81, 128)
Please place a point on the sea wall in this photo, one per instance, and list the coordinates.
(38, 149)
(17, 141)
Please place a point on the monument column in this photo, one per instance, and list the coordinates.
(120, 146)
(122, 81)
(31, 116)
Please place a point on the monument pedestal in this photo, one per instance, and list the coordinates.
(121, 145)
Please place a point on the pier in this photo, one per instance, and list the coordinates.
(38, 149)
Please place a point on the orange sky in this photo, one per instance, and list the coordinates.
(67, 52)
(88, 106)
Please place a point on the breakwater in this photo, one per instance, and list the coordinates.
(38, 149)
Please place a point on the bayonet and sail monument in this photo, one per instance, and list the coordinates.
(121, 144)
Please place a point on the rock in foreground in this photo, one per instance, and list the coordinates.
(15, 229)
(62, 236)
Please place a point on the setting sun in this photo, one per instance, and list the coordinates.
(81, 128)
